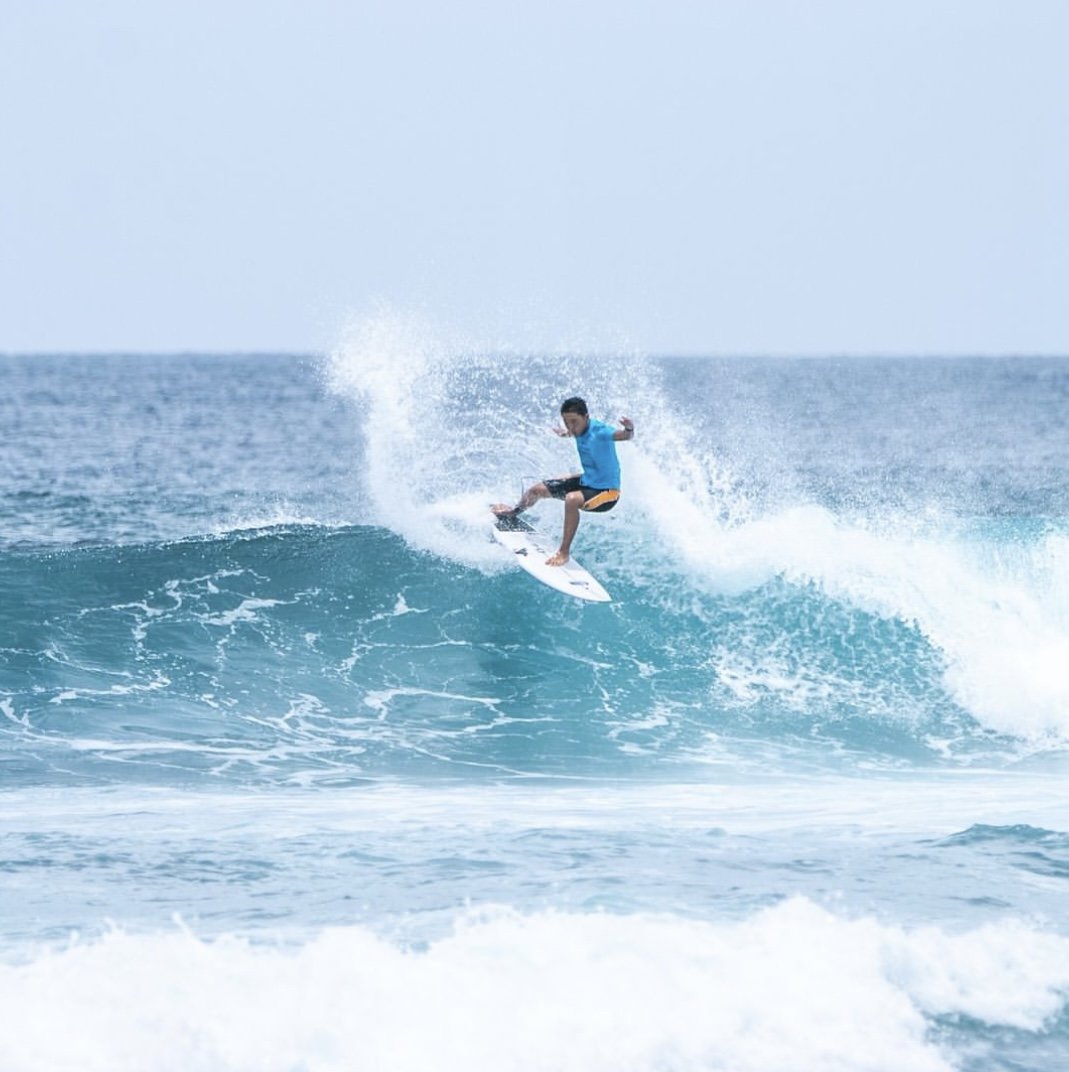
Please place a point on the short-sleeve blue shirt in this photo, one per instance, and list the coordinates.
(597, 454)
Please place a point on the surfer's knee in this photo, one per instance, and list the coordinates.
(574, 499)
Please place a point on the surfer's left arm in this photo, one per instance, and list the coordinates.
(626, 432)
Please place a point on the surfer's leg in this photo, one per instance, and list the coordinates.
(572, 503)
(527, 500)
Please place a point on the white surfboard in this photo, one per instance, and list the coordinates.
(530, 550)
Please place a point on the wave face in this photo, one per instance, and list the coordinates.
(302, 653)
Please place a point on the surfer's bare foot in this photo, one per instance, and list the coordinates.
(559, 559)
(502, 509)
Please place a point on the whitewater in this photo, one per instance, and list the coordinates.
(299, 772)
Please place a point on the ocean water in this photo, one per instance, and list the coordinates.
(298, 772)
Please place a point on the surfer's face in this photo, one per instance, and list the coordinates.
(575, 423)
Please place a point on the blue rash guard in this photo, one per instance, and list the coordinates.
(597, 454)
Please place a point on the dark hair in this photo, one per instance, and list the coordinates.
(573, 405)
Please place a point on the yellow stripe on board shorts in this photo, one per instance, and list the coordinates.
(603, 498)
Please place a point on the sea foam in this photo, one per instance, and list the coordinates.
(793, 987)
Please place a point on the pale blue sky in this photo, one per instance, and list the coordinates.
(719, 177)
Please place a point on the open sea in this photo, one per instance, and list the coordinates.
(298, 773)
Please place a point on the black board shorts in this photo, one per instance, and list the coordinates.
(595, 500)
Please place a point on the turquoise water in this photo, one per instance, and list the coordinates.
(299, 773)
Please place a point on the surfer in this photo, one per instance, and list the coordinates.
(596, 489)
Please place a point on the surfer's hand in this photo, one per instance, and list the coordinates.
(563, 432)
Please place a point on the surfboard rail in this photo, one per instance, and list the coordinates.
(530, 549)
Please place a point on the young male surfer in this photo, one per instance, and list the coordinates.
(596, 489)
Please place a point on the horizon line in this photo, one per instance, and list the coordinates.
(301, 354)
